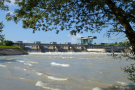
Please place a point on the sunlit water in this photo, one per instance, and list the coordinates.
(63, 71)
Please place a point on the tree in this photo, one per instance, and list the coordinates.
(83, 15)
(92, 15)
(2, 7)
(1, 36)
(115, 43)
(8, 43)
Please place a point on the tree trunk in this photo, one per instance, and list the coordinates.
(119, 13)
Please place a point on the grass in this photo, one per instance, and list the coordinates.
(9, 47)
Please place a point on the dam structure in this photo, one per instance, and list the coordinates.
(85, 46)
(42, 47)
(30, 47)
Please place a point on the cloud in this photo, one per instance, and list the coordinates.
(73, 39)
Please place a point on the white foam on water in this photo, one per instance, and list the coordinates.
(40, 83)
(121, 87)
(67, 57)
(39, 73)
(124, 88)
(24, 55)
(9, 62)
(56, 78)
(24, 69)
(100, 72)
(44, 85)
(20, 61)
(22, 78)
(28, 64)
(58, 64)
(122, 83)
(33, 62)
(26, 61)
(2, 65)
(65, 53)
(96, 88)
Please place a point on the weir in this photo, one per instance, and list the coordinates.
(42, 49)
(57, 49)
(69, 47)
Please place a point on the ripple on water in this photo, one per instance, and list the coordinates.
(27, 61)
(96, 88)
(56, 78)
(122, 83)
(28, 64)
(2, 65)
(39, 73)
(44, 85)
(58, 64)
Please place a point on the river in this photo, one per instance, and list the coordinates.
(63, 71)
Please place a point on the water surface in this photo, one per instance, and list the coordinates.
(63, 71)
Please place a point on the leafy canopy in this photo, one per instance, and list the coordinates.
(74, 15)
(5, 8)
(1, 36)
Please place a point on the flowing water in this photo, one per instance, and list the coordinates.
(63, 71)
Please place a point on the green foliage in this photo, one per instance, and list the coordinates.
(2, 6)
(5, 8)
(1, 43)
(10, 47)
(124, 44)
(130, 70)
(8, 43)
(1, 26)
(127, 54)
(1, 36)
(86, 15)
(116, 43)
(120, 43)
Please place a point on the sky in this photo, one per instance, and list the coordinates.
(15, 32)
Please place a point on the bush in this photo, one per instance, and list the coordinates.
(1, 43)
(8, 43)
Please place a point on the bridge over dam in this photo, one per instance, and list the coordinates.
(34, 47)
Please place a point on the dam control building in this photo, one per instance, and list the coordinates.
(87, 40)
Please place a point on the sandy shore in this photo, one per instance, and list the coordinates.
(12, 52)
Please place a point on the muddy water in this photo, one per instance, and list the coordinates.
(63, 71)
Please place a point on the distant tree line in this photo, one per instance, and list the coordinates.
(116, 43)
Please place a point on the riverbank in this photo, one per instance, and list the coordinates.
(11, 50)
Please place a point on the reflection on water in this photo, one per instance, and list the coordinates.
(63, 71)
